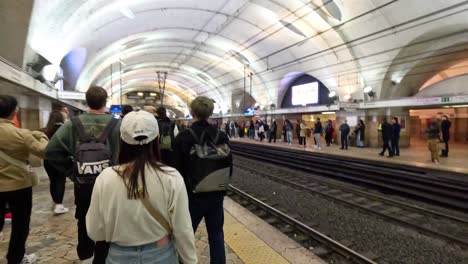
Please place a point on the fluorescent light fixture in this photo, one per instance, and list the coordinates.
(126, 11)
(292, 28)
(332, 94)
(368, 89)
(328, 113)
(123, 63)
(153, 94)
(347, 97)
(239, 57)
(140, 94)
(50, 72)
(459, 106)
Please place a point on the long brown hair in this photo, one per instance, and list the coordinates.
(134, 159)
(55, 118)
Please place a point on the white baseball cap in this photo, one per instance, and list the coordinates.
(139, 124)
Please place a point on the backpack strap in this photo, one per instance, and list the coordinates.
(194, 135)
(78, 125)
(105, 134)
(218, 134)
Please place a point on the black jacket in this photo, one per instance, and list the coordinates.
(318, 129)
(396, 128)
(184, 143)
(387, 131)
(445, 129)
(167, 156)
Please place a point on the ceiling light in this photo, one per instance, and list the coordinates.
(292, 28)
(123, 63)
(459, 106)
(347, 97)
(126, 11)
(368, 89)
(140, 94)
(328, 113)
(332, 94)
(239, 57)
(153, 94)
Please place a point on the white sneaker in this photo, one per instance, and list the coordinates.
(29, 259)
(319, 148)
(60, 209)
(315, 146)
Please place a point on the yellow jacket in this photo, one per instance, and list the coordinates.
(18, 144)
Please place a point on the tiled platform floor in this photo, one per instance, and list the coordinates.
(417, 154)
(248, 239)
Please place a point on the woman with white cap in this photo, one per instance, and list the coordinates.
(141, 206)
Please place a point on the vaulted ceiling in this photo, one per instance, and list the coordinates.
(204, 45)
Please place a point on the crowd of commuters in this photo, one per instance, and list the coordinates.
(136, 194)
(438, 132)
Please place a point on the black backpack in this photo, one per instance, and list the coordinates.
(92, 155)
(210, 164)
(166, 135)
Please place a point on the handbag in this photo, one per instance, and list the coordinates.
(156, 214)
(22, 165)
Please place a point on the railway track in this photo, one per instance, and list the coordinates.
(402, 180)
(439, 225)
(294, 227)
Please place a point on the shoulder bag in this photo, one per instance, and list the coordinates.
(156, 214)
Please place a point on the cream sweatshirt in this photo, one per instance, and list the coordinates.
(114, 218)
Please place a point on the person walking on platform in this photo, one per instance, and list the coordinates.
(208, 205)
(329, 132)
(289, 131)
(141, 205)
(56, 178)
(344, 129)
(318, 130)
(387, 132)
(168, 132)
(303, 134)
(298, 131)
(126, 109)
(273, 130)
(445, 129)
(16, 181)
(261, 131)
(432, 139)
(396, 128)
(101, 132)
(360, 132)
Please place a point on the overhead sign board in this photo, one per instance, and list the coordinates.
(71, 95)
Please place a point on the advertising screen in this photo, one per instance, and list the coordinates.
(305, 94)
(249, 111)
(116, 109)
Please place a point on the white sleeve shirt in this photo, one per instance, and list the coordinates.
(112, 217)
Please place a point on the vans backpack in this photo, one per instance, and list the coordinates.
(92, 155)
(166, 135)
(210, 164)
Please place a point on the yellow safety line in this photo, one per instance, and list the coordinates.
(250, 248)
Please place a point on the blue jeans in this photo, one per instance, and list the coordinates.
(396, 146)
(289, 137)
(146, 254)
(210, 207)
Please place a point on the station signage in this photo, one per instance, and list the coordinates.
(71, 95)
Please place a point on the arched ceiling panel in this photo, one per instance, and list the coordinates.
(210, 38)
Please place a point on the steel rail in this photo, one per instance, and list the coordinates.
(389, 216)
(344, 251)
